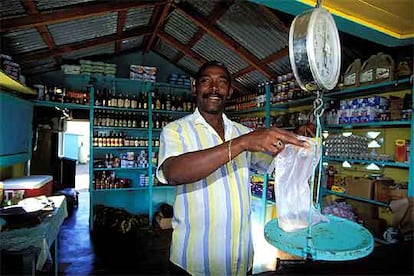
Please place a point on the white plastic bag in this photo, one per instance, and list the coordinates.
(293, 167)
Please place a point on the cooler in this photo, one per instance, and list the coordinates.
(33, 185)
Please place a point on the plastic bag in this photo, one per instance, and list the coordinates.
(293, 167)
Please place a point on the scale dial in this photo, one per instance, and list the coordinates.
(315, 50)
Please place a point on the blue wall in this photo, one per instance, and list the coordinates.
(164, 68)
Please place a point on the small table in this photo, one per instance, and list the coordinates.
(40, 236)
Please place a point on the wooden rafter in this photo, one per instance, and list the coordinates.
(31, 9)
(157, 28)
(82, 11)
(67, 48)
(219, 9)
(224, 39)
(119, 29)
(272, 58)
(156, 13)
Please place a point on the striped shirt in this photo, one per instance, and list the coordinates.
(212, 216)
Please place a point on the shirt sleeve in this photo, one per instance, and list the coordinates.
(171, 144)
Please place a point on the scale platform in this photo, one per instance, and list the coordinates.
(337, 240)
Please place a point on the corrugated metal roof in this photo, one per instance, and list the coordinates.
(251, 80)
(188, 64)
(24, 41)
(132, 43)
(47, 5)
(138, 17)
(252, 27)
(180, 27)
(211, 49)
(84, 29)
(256, 34)
(165, 49)
(281, 66)
(203, 7)
(96, 50)
(44, 63)
(11, 9)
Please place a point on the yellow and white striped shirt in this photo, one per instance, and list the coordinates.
(212, 216)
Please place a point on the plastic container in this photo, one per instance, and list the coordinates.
(367, 74)
(400, 150)
(351, 75)
(384, 68)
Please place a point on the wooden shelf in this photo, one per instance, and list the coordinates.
(8, 83)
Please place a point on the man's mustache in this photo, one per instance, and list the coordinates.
(212, 94)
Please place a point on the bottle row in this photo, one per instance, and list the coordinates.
(108, 180)
(160, 101)
(283, 90)
(62, 95)
(111, 118)
(119, 139)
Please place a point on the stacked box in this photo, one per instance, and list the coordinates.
(71, 69)
(179, 79)
(143, 73)
(362, 110)
(97, 68)
(9, 67)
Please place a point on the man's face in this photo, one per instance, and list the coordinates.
(212, 89)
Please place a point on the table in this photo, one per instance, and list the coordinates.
(40, 236)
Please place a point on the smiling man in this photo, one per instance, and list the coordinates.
(209, 157)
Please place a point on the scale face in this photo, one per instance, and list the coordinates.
(315, 50)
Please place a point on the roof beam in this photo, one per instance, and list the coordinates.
(74, 13)
(119, 29)
(158, 26)
(272, 58)
(188, 52)
(224, 39)
(67, 48)
(219, 9)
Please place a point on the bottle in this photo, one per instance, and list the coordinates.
(120, 102)
(134, 102)
(168, 102)
(127, 102)
(145, 100)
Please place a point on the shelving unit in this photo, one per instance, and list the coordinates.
(374, 89)
(143, 195)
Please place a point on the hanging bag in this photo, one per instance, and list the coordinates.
(292, 168)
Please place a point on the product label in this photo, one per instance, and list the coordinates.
(366, 76)
(382, 73)
(350, 79)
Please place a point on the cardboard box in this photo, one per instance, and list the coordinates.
(387, 191)
(359, 186)
(364, 188)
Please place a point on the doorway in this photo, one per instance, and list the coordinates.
(78, 132)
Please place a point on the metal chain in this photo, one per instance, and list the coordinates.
(318, 110)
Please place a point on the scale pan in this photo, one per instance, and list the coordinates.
(337, 240)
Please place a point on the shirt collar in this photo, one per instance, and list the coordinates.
(228, 124)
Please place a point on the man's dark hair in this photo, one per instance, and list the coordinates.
(211, 64)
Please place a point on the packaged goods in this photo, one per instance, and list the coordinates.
(367, 74)
(351, 75)
(384, 68)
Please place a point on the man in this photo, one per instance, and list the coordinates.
(208, 157)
